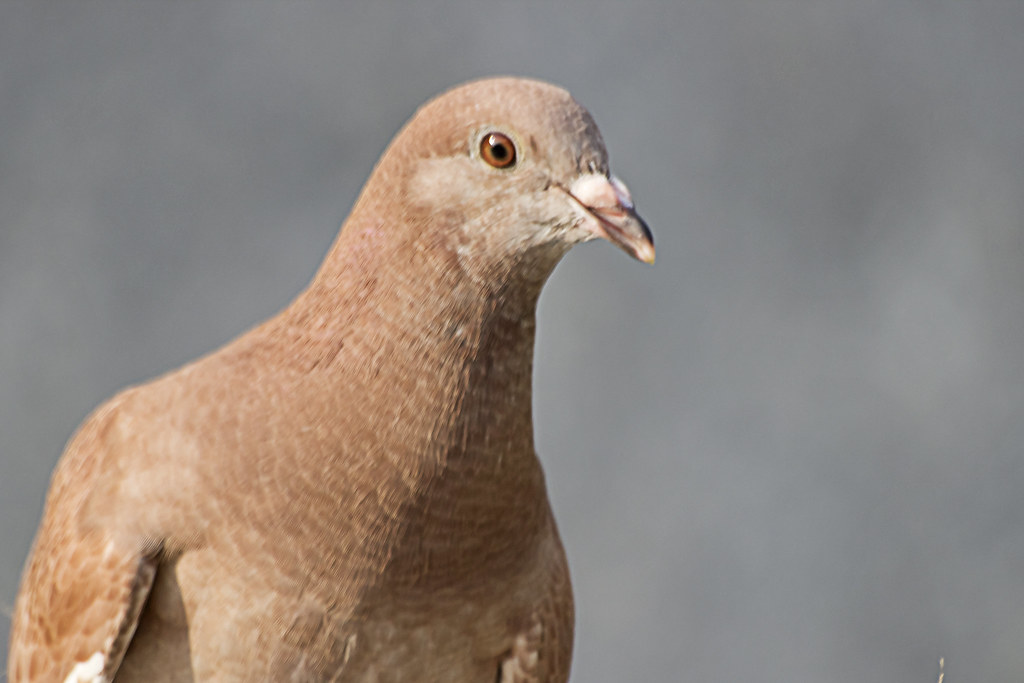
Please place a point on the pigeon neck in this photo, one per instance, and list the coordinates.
(458, 347)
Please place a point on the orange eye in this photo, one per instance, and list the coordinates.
(498, 150)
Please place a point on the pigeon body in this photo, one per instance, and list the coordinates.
(349, 491)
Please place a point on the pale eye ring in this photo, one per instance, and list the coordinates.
(498, 150)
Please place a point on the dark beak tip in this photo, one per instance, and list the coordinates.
(639, 241)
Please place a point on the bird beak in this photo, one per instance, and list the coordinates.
(611, 215)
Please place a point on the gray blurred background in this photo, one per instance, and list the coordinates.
(793, 450)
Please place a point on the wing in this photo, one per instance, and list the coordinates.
(542, 652)
(83, 586)
(77, 609)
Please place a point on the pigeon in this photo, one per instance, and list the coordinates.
(349, 491)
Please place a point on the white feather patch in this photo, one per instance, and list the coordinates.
(89, 671)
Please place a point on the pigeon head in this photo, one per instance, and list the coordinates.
(499, 177)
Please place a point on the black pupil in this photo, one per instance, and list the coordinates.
(499, 150)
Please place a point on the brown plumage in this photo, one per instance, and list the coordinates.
(349, 491)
